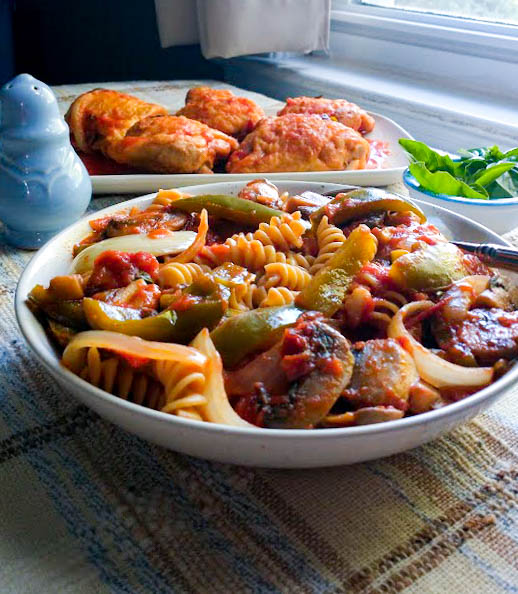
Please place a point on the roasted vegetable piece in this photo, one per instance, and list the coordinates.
(69, 313)
(327, 289)
(322, 368)
(204, 314)
(102, 316)
(377, 414)
(383, 375)
(265, 368)
(432, 267)
(172, 243)
(67, 287)
(362, 202)
(199, 306)
(252, 331)
(231, 208)
(231, 275)
(62, 334)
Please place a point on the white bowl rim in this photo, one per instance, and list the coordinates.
(408, 178)
(26, 321)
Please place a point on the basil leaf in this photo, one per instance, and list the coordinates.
(490, 153)
(488, 175)
(506, 186)
(511, 155)
(442, 182)
(497, 189)
(421, 153)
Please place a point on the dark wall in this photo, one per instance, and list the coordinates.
(72, 41)
(6, 41)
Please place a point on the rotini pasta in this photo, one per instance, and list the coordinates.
(183, 388)
(116, 377)
(329, 239)
(246, 296)
(385, 303)
(251, 254)
(386, 307)
(174, 274)
(285, 275)
(283, 233)
(278, 296)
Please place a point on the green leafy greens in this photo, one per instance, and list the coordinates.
(481, 173)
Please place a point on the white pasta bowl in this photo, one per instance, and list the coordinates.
(274, 448)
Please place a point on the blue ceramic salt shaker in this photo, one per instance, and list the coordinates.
(44, 186)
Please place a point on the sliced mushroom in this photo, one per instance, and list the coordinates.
(383, 375)
(377, 414)
(318, 373)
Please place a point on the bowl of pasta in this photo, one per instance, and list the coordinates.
(273, 325)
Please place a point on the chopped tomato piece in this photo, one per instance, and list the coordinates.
(114, 269)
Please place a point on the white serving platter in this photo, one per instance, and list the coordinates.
(275, 448)
(386, 130)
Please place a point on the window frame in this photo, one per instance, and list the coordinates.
(471, 37)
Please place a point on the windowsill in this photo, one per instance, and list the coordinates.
(446, 118)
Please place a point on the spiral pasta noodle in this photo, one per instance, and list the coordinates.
(329, 239)
(386, 303)
(284, 232)
(183, 388)
(246, 296)
(119, 379)
(285, 275)
(277, 296)
(174, 274)
(250, 253)
(386, 307)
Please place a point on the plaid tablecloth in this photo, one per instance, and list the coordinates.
(86, 507)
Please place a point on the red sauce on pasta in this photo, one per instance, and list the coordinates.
(113, 269)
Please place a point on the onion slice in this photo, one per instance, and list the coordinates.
(432, 369)
(199, 241)
(74, 354)
(174, 242)
(477, 282)
(218, 409)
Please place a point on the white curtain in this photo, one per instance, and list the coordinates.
(229, 28)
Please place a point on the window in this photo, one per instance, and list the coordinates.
(406, 34)
(498, 11)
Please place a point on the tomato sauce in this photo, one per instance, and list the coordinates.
(114, 269)
(97, 164)
(378, 154)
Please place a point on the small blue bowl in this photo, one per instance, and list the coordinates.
(500, 215)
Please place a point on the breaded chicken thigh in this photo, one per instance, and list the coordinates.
(298, 142)
(171, 144)
(103, 115)
(221, 109)
(344, 112)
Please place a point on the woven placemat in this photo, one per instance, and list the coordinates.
(86, 507)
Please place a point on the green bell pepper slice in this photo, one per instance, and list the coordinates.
(326, 290)
(68, 312)
(103, 316)
(363, 202)
(433, 267)
(252, 331)
(204, 314)
(228, 207)
(61, 334)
